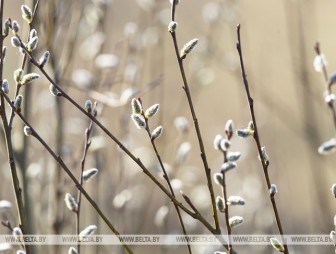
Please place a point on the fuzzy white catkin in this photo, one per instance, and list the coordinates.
(89, 230)
(235, 221)
(72, 250)
(88, 174)
(70, 202)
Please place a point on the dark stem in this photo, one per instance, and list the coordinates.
(257, 139)
(10, 151)
(197, 128)
(226, 207)
(87, 144)
(166, 177)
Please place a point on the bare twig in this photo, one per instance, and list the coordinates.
(197, 128)
(10, 151)
(87, 144)
(226, 207)
(264, 163)
(327, 81)
(166, 177)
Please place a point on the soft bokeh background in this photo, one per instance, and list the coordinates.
(105, 50)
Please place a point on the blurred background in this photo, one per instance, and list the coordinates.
(110, 51)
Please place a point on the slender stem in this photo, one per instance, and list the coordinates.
(87, 144)
(257, 139)
(10, 151)
(166, 177)
(226, 207)
(327, 81)
(197, 128)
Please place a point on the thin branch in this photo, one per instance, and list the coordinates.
(166, 177)
(10, 151)
(264, 163)
(197, 128)
(87, 144)
(327, 81)
(226, 206)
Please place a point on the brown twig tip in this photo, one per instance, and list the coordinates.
(317, 48)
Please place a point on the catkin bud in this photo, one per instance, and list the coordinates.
(29, 78)
(54, 91)
(333, 189)
(183, 152)
(18, 75)
(225, 144)
(72, 250)
(277, 245)
(26, 13)
(17, 232)
(88, 105)
(138, 120)
(27, 131)
(44, 59)
(181, 124)
(218, 177)
(152, 110)
(136, 106)
(264, 155)
(243, 133)
(229, 128)
(217, 141)
(32, 44)
(88, 174)
(32, 34)
(235, 221)
(330, 98)
(5, 86)
(233, 156)
(327, 147)
(188, 48)
(228, 166)
(273, 189)
(15, 27)
(90, 230)
(235, 200)
(172, 27)
(6, 27)
(15, 42)
(250, 127)
(70, 202)
(220, 204)
(18, 102)
(157, 133)
(320, 62)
